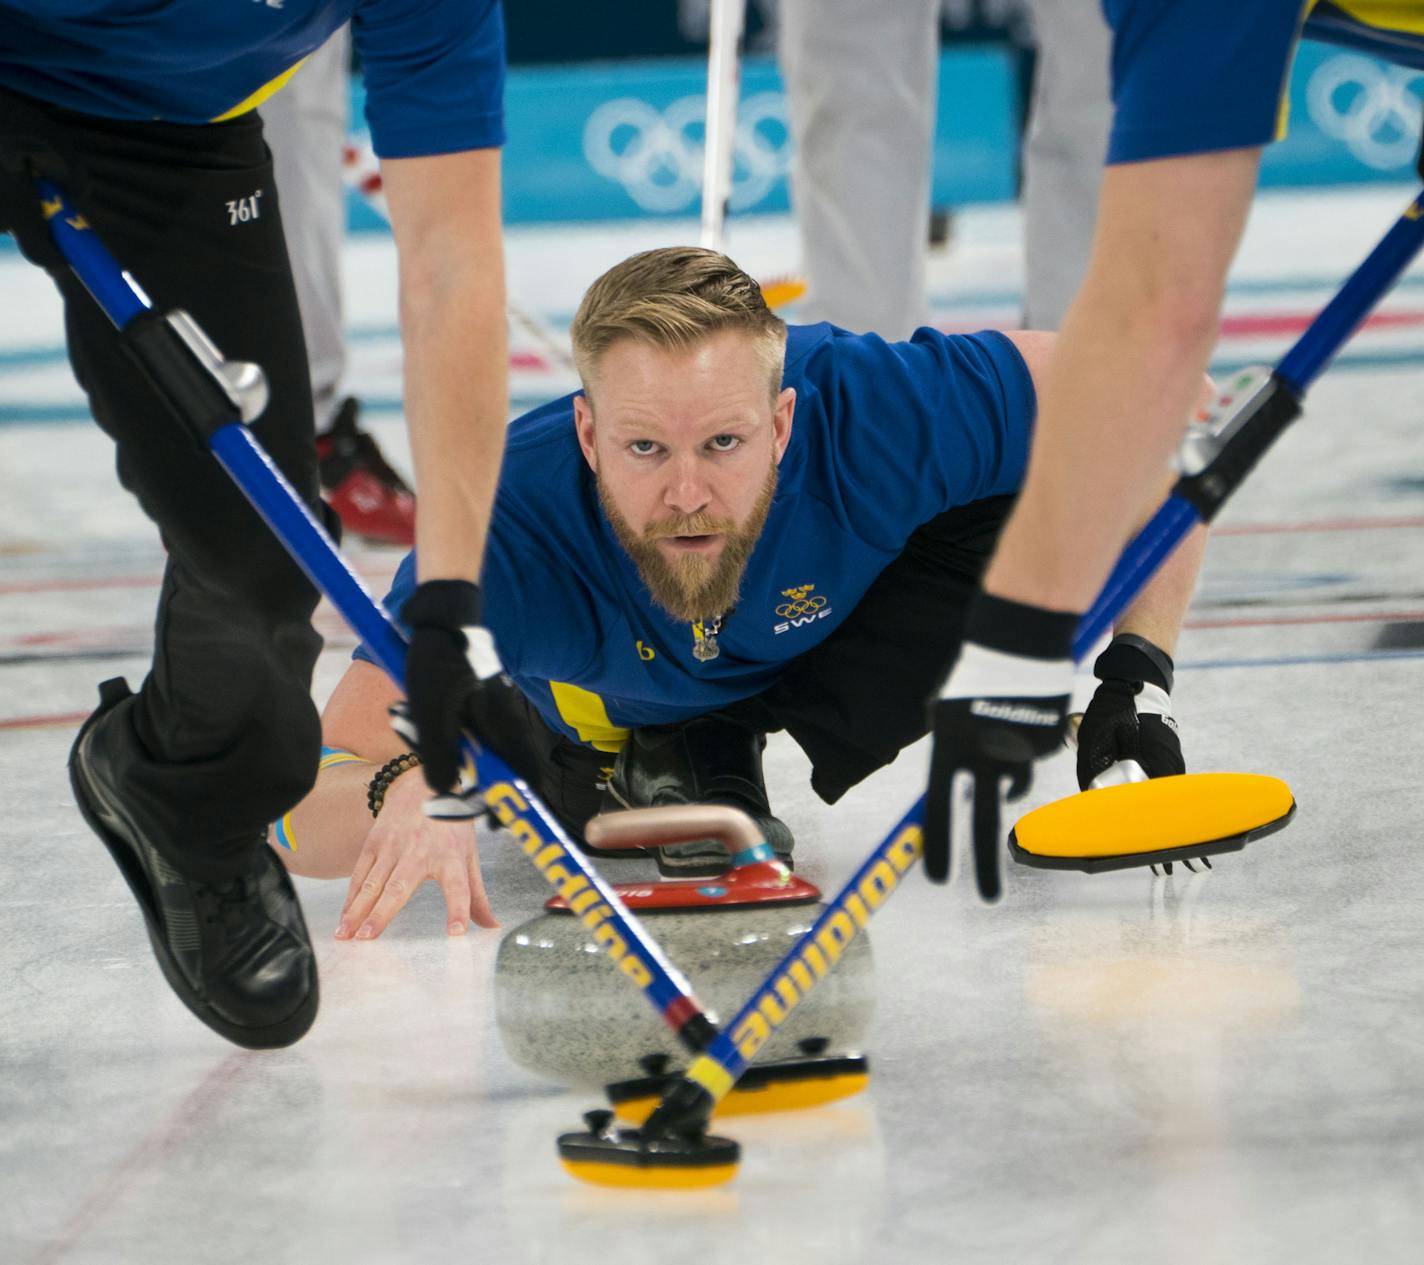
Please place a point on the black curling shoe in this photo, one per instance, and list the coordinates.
(710, 759)
(235, 951)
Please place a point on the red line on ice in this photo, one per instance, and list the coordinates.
(1268, 324)
(1237, 325)
(84, 585)
(43, 722)
(80, 586)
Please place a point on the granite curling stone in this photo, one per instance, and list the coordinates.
(565, 1011)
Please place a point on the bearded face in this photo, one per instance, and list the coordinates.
(685, 452)
(692, 582)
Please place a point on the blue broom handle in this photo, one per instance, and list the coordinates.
(1346, 312)
(1302, 364)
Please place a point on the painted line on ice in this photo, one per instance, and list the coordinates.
(373, 575)
(1239, 325)
(37, 414)
(51, 720)
(28, 355)
(80, 586)
(331, 640)
(1323, 525)
(159, 1149)
(154, 1149)
(1270, 621)
(1298, 661)
(1326, 285)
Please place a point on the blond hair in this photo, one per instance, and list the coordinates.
(672, 298)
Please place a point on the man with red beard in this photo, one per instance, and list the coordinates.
(735, 528)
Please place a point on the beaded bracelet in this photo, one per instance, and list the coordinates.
(377, 787)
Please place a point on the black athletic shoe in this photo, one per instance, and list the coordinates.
(237, 951)
(707, 760)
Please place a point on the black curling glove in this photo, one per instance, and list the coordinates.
(1004, 705)
(1130, 716)
(450, 656)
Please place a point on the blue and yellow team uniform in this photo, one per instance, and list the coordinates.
(885, 437)
(434, 69)
(1195, 76)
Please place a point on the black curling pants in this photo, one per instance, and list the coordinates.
(223, 736)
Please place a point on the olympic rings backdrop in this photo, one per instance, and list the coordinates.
(617, 140)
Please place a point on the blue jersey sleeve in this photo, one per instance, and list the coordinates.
(1196, 76)
(545, 623)
(401, 587)
(916, 428)
(526, 597)
(434, 74)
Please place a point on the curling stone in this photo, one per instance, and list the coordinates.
(565, 1011)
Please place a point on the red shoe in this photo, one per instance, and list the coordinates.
(371, 498)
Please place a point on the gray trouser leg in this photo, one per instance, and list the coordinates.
(860, 80)
(1063, 153)
(306, 126)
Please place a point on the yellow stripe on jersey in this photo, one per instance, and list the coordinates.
(268, 89)
(586, 714)
(1386, 15)
(1283, 105)
(1402, 16)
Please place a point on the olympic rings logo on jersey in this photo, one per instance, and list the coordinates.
(656, 155)
(1375, 109)
(790, 610)
(805, 607)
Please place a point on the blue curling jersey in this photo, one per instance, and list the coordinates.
(885, 437)
(434, 68)
(1199, 76)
